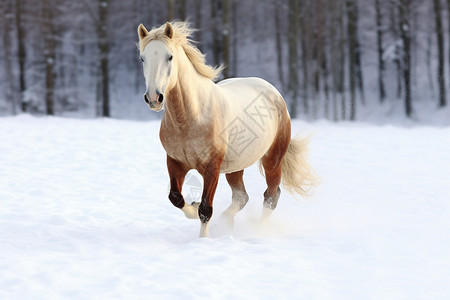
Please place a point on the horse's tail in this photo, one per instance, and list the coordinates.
(297, 176)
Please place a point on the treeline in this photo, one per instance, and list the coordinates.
(334, 43)
(327, 56)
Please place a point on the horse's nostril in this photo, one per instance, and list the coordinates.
(146, 99)
(160, 98)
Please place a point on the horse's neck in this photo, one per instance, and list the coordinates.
(183, 100)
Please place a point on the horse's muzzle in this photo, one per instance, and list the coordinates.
(157, 97)
(156, 104)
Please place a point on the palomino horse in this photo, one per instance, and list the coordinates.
(217, 128)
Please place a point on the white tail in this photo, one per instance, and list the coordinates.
(296, 173)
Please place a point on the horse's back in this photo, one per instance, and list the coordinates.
(245, 87)
(244, 95)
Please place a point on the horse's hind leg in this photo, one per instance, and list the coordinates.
(271, 162)
(239, 196)
(273, 191)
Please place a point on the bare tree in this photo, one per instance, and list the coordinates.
(448, 23)
(358, 53)
(216, 47)
(352, 44)
(428, 61)
(398, 49)
(49, 55)
(322, 40)
(6, 39)
(333, 32)
(234, 36)
(182, 9)
(278, 40)
(440, 48)
(21, 53)
(305, 38)
(342, 60)
(103, 48)
(404, 7)
(293, 54)
(226, 28)
(170, 10)
(379, 29)
(198, 22)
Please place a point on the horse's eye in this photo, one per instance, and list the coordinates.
(170, 57)
(142, 59)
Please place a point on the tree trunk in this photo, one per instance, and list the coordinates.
(341, 82)
(440, 48)
(103, 48)
(323, 71)
(49, 56)
(351, 33)
(399, 89)
(304, 39)
(428, 62)
(394, 28)
(333, 52)
(414, 45)
(226, 37)
(216, 41)
(448, 23)
(170, 10)
(234, 43)
(21, 54)
(198, 23)
(378, 22)
(278, 43)
(404, 14)
(182, 9)
(293, 55)
(358, 65)
(9, 81)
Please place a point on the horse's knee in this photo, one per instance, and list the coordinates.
(205, 212)
(177, 199)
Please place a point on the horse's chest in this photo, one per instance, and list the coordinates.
(188, 147)
(181, 150)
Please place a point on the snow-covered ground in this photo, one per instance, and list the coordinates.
(84, 214)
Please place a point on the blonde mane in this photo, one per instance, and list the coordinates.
(181, 37)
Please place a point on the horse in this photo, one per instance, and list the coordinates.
(216, 128)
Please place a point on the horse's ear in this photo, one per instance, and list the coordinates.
(142, 32)
(168, 30)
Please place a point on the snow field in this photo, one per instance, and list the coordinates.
(84, 214)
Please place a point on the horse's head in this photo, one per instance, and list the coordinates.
(159, 70)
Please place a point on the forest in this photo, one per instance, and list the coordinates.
(331, 59)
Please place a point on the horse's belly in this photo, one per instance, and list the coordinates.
(245, 147)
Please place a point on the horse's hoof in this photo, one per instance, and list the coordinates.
(227, 220)
(190, 211)
(195, 204)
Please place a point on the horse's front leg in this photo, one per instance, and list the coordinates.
(177, 173)
(205, 210)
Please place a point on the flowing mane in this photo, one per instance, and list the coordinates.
(181, 37)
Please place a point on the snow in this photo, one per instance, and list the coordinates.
(84, 214)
